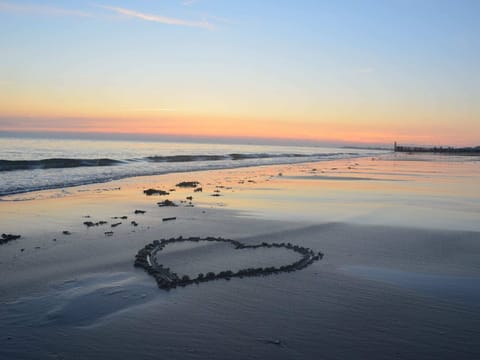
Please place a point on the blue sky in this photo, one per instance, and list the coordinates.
(360, 70)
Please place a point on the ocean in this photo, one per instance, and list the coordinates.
(39, 164)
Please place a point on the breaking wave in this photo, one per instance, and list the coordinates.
(59, 163)
(12, 165)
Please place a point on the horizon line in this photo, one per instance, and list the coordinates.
(227, 139)
(115, 136)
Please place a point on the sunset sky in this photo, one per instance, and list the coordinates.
(349, 71)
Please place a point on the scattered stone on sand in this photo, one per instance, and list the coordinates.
(66, 232)
(280, 174)
(252, 181)
(189, 197)
(140, 211)
(169, 218)
(134, 223)
(150, 192)
(116, 224)
(91, 223)
(166, 203)
(216, 194)
(198, 189)
(9, 237)
(188, 184)
(108, 233)
(22, 249)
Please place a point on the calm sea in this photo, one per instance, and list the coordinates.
(38, 164)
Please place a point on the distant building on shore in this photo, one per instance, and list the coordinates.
(437, 149)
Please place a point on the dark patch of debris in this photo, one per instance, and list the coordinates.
(150, 192)
(188, 184)
(166, 203)
(9, 237)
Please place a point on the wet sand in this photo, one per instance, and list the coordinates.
(399, 279)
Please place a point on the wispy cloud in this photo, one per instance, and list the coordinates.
(207, 22)
(158, 18)
(40, 9)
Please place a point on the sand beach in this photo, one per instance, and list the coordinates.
(400, 276)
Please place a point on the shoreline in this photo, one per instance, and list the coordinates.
(225, 188)
(194, 170)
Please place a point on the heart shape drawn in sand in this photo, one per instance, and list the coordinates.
(166, 279)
